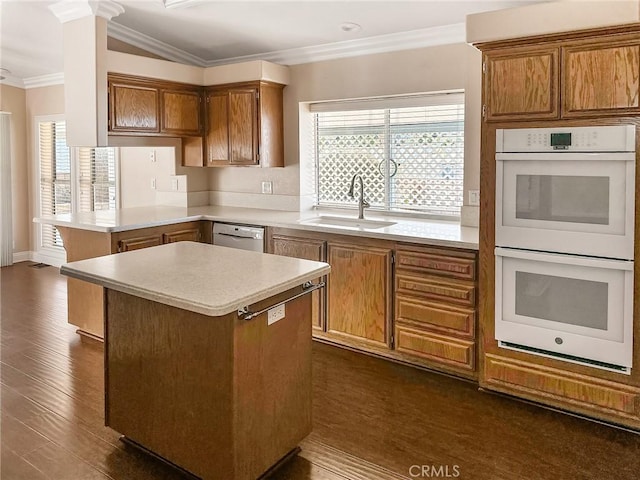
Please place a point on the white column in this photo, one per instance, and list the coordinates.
(6, 216)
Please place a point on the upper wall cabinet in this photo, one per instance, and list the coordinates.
(601, 79)
(244, 126)
(521, 83)
(142, 106)
(573, 76)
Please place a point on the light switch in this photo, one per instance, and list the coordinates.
(474, 198)
(153, 183)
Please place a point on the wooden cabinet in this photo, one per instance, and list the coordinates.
(435, 307)
(85, 300)
(571, 76)
(601, 79)
(359, 293)
(308, 249)
(244, 126)
(521, 83)
(144, 106)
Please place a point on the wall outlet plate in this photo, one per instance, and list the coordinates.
(174, 184)
(152, 156)
(267, 187)
(153, 183)
(274, 314)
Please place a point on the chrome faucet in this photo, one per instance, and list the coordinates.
(362, 203)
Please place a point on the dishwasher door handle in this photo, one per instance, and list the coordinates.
(258, 237)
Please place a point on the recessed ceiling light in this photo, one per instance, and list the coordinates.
(4, 72)
(350, 27)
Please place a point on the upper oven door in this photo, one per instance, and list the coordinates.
(570, 202)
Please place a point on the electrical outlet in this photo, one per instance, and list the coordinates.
(275, 314)
(174, 184)
(153, 183)
(152, 156)
(267, 187)
(474, 198)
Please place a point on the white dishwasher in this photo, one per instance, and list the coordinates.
(238, 236)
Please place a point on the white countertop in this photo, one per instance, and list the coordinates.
(406, 229)
(201, 278)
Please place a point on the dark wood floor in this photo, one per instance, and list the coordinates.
(373, 420)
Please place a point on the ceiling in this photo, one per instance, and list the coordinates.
(207, 33)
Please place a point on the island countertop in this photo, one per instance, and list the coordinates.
(197, 277)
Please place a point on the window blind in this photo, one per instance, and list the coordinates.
(55, 177)
(97, 179)
(411, 158)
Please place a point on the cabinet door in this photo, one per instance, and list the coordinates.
(521, 84)
(359, 294)
(133, 108)
(243, 126)
(307, 249)
(217, 136)
(600, 80)
(189, 235)
(181, 112)
(128, 244)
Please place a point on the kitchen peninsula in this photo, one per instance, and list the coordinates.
(200, 369)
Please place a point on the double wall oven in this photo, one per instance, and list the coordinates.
(564, 243)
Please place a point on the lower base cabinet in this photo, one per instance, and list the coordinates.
(406, 302)
(85, 300)
(359, 293)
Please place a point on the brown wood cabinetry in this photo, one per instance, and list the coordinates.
(85, 300)
(601, 79)
(521, 82)
(574, 75)
(308, 249)
(144, 106)
(435, 307)
(244, 126)
(359, 293)
(598, 84)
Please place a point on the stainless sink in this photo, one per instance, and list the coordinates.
(347, 222)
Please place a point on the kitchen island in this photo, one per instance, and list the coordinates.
(200, 369)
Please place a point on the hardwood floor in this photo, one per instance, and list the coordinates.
(373, 420)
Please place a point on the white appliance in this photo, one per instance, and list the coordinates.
(566, 190)
(564, 243)
(238, 236)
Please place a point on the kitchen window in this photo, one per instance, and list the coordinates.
(409, 151)
(71, 179)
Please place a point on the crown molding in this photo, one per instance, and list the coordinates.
(44, 80)
(151, 45)
(12, 82)
(68, 10)
(169, 4)
(427, 37)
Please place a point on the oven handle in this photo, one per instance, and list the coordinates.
(566, 259)
(580, 156)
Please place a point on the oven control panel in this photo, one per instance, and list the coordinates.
(618, 138)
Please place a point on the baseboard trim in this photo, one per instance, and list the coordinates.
(22, 257)
(55, 259)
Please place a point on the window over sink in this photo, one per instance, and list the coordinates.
(409, 151)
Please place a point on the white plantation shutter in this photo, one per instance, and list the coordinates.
(97, 179)
(55, 177)
(409, 151)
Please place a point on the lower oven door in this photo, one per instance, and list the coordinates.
(568, 305)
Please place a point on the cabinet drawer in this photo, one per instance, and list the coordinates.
(531, 380)
(139, 242)
(433, 288)
(189, 235)
(454, 352)
(437, 262)
(435, 316)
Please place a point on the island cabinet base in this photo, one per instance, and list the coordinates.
(219, 397)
